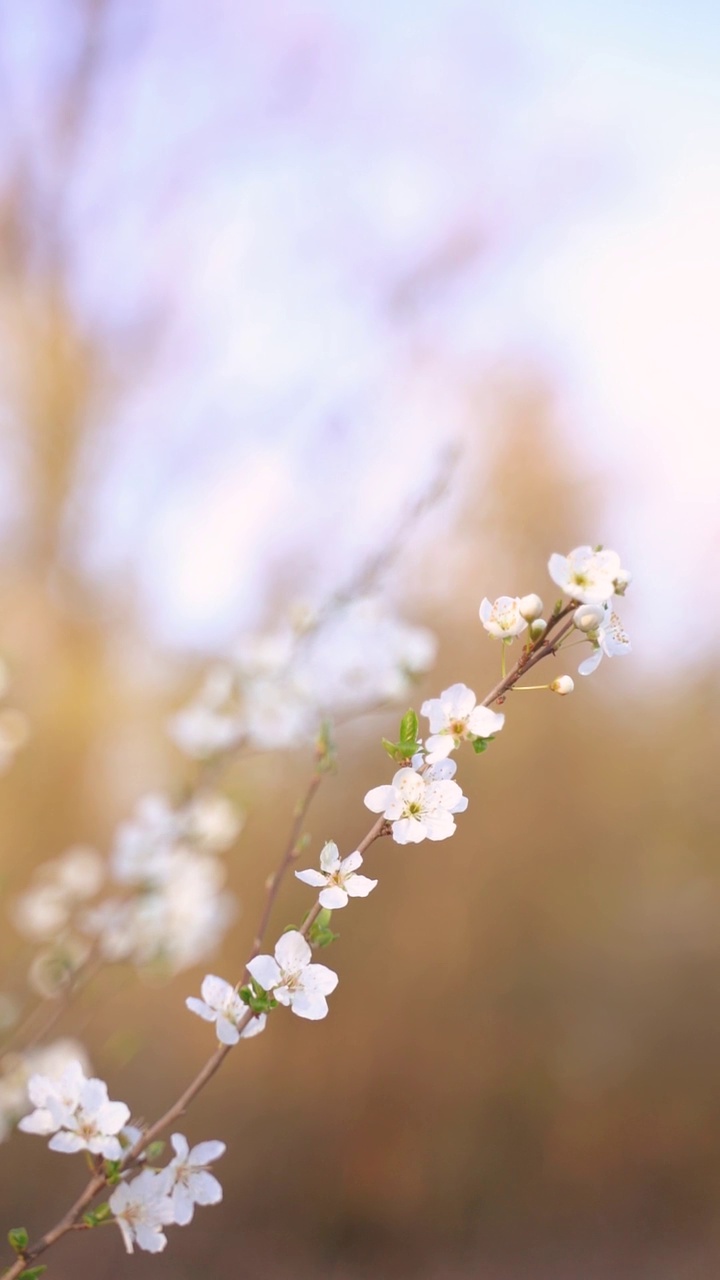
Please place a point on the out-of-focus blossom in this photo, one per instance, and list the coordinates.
(293, 979)
(453, 717)
(58, 886)
(588, 575)
(279, 687)
(337, 878)
(503, 618)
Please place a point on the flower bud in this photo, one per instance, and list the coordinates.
(530, 607)
(622, 582)
(587, 617)
(563, 685)
(537, 628)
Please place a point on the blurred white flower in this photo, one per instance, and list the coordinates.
(141, 1209)
(337, 878)
(588, 575)
(58, 886)
(454, 716)
(188, 1180)
(503, 618)
(293, 979)
(418, 809)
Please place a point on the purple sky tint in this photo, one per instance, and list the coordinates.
(269, 179)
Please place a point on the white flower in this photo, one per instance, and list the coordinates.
(337, 878)
(609, 639)
(587, 617)
(188, 1180)
(531, 607)
(418, 808)
(589, 576)
(222, 1005)
(563, 685)
(142, 1208)
(292, 979)
(454, 716)
(503, 618)
(77, 1112)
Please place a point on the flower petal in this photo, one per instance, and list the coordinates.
(265, 970)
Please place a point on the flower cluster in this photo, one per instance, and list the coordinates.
(49, 1060)
(77, 1112)
(337, 878)
(155, 1198)
(277, 688)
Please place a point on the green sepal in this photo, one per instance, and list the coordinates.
(482, 744)
(256, 998)
(95, 1216)
(112, 1171)
(19, 1239)
(320, 934)
(155, 1150)
(32, 1273)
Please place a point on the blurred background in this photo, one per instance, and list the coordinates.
(265, 270)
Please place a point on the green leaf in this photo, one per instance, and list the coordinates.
(155, 1150)
(112, 1171)
(95, 1216)
(325, 748)
(32, 1273)
(408, 727)
(481, 744)
(391, 748)
(256, 998)
(19, 1239)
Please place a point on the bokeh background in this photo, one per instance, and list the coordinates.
(269, 273)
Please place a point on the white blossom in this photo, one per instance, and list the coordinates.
(142, 1208)
(453, 717)
(337, 878)
(530, 607)
(15, 1072)
(188, 1180)
(419, 808)
(77, 1112)
(588, 575)
(58, 886)
(503, 618)
(587, 617)
(563, 685)
(292, 979)
(222, 1005)
(609, 639)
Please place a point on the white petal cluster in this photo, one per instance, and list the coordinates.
(454, 717)
(609, 639)
(503, 618)
(337, 878)
(293, 979)
(77, 1112)
(419, 806)
(142, 1207)
(589, 575)
(15, 1072)
(222, 1005)
(188, 1180)
(179, 907)
(59, 885)
(278, 687)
